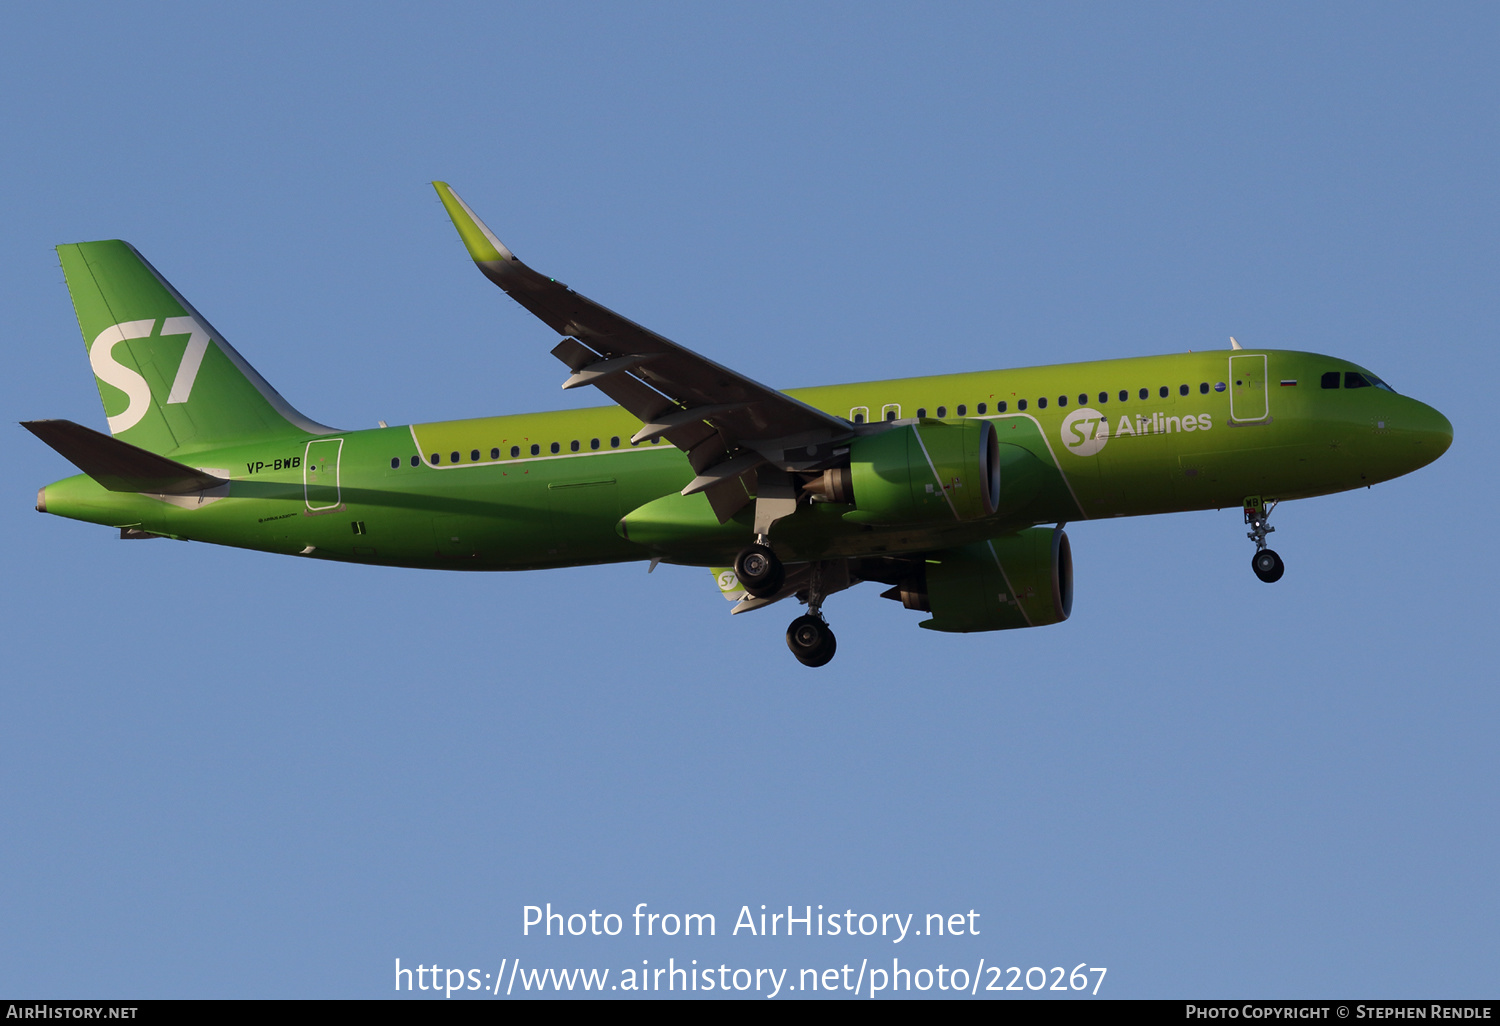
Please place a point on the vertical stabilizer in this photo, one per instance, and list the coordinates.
(166, 378)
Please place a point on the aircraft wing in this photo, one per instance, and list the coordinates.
(728, 425)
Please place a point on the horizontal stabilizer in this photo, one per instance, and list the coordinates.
(120, 466)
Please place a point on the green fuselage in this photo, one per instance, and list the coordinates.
(1211, 430)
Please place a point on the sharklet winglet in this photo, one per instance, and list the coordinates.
(477, 238)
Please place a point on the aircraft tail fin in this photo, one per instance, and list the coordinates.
(167, 379)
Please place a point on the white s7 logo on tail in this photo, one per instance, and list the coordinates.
(128, 380)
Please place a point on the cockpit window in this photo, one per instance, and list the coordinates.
(1354, 379)
(1331, 379)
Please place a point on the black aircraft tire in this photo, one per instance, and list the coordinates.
(811, 641)
(759, 571)
(1267, 566)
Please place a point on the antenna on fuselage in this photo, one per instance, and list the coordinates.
(1233, 344)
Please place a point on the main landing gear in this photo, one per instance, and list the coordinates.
(759, 570)
(1266, 563)
(809, 637)
(811, 640)
(763, 576)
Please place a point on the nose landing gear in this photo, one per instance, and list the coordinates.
(1266, 564)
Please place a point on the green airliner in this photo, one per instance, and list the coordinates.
(951, 490)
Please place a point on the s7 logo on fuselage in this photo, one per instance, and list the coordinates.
(1085, 431)
(129, 380)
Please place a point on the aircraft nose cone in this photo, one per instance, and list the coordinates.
(1431, 434)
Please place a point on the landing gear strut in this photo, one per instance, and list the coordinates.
(759, 570)
(1266, 563)
(809, 637)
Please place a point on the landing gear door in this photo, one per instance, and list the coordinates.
(1248, 397)
(320, 474)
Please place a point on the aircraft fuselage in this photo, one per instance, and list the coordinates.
(1117, 438)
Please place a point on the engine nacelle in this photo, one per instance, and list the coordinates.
(924, 472)
(1016, 580)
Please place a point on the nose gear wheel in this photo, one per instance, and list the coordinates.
(1267, 565)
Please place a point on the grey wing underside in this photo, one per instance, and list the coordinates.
(728, 425)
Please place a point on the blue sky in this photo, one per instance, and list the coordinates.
(230, 774)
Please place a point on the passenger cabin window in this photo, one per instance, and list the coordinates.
(453, 457)
(942, 411)
(573, 445)
(473, 455)
(1020, 404)
(982, 408)
(1165, 391)
(1103, 398)
(515, 451)
(1182, 390)
(1001, 406)
(395, 462)
(921, 412)
(536, 450)
(963, 411)
(1145, 393)
(1203, 388)
(890, 415)
(1083, 400)
(416, 461)
(557, 447)
(436, 459)
(1041, 403)
(614, 442)
(494, 454)
(1062, 400)
(593, 443)
(1124, 395)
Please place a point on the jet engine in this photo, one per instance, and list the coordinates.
(1016, 580)
(931, 472)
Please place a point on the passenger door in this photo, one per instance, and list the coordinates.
(1249, 399)
(320, 474)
